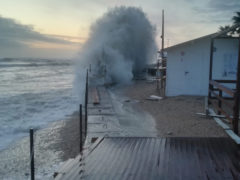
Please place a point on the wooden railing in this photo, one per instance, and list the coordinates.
(230, 94)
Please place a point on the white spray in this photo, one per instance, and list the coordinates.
(120, 44)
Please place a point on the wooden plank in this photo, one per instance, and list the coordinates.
(235, 137)
(218, 121)
(178, 158)
(226, 81)
(211, 115)
(222, 99)
(223, 88)
(65, 170)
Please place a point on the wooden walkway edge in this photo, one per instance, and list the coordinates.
(120, 158)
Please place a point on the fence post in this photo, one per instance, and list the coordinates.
(32, 154)
(86, 104)
(80, 128)
(220, 102)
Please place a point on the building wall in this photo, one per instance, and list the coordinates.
(188, 66)
(225, 59)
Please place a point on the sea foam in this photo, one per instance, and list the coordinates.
(120, 44)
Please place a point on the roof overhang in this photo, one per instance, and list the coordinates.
(221, 34)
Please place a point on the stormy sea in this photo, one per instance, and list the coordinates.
(33, 94)
(41, 93)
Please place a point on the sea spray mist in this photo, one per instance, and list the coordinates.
(120, 44)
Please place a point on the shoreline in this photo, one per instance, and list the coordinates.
(59, 141)
(53, 145)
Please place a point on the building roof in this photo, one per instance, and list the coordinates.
(191, 41)
(213, 35)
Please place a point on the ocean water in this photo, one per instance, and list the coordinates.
(33, 93)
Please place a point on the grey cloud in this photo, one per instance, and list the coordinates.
(218, 6)
(223, 5)
(13, 33)
(216, 11)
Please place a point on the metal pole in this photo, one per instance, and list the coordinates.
(237, 95)
(158, 72)
(162, 34)
(80, 128)
(162, 74)
(86, 104)
(31, 154)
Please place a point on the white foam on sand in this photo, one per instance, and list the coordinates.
(15, 161)
(132, 120)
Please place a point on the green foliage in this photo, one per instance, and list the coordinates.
(223, 28)
(236, 20)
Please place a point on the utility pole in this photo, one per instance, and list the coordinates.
(163, 80)
(162, 35)
(159, 73)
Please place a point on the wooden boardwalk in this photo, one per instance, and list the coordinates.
(146, 158)
(101, 116)
(156, 158)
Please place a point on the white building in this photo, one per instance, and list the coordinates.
(188, 65)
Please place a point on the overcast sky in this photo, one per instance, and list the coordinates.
(57, 29)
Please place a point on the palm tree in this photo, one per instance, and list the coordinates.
(223, 28)
(236, 20)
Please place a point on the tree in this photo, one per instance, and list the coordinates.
(223, 28)
(236, 20)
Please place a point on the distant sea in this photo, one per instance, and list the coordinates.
(33, 93)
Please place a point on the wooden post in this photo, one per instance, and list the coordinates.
(32, 154)
(237, 95)
(220, 101)
(210, 70)
(80, 128)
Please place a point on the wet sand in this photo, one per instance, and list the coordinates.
(52, 145)
(174, 116)
(69, 138)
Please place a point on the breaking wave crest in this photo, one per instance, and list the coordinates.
(120, 44)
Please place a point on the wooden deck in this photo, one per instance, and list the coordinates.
(112, 157)
(120, 158)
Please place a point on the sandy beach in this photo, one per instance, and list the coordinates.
(52, 145)
(174, 116)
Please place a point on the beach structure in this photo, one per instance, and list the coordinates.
(189, 62)
(161, 65)
(106, 154)
(209, 66)
(139, 158)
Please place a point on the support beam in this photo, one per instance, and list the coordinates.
(237, 95)
(210, 70)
